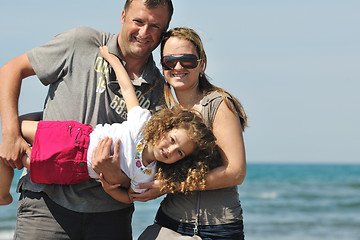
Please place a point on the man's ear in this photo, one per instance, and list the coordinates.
(123, 17)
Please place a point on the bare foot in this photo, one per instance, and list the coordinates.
(6, 199)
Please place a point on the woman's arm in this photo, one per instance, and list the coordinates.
(152, 192)
(227, 129)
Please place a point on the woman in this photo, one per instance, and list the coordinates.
(215, 213)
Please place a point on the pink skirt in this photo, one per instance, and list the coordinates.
(59, 152)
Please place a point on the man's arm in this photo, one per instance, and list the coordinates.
(109, 166)
(34, 116)
(13, 146)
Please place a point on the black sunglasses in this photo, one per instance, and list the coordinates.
(188, 61)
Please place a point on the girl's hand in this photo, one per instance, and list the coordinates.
(107, 186)
(111, 58)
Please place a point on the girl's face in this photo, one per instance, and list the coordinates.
(180, 78)
(174, 146)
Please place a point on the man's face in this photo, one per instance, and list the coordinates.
(141, 29)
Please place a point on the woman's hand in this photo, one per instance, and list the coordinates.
(152, 192)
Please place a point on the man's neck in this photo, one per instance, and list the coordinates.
(134, 66)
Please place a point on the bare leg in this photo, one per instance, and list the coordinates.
(6, 176)
(28, 130)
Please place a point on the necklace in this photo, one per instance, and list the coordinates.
(138, 162)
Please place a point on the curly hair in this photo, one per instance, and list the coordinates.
(190, 172)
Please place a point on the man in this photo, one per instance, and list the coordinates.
(83, 88)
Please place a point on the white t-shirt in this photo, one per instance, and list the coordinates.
(131, 146)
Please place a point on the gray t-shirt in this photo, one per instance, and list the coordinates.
(83, 88)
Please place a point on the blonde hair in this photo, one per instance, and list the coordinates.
(190, 172)
(205, 87)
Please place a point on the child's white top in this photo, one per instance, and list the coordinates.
(131, 146)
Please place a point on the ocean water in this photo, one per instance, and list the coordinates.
(280, 202)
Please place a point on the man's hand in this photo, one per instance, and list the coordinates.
(152, 192)
(12, 149)
(109, 165)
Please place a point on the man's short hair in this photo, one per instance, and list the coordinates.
(154, 4)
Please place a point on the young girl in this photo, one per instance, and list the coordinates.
(61, 150)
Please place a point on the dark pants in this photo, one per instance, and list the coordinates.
(233, 231)
(41, 218)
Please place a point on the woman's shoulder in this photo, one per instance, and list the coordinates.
(215, 97)
(210, 104)
(212, 100)
(210, 97)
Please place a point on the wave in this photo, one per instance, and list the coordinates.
(355, 185)
(350, 205)
(6, 235)
(264, 195)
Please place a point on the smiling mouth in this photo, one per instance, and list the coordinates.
(179, 75)
(140, 40)
(163, 154)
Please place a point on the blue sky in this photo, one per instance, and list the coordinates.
(294, 65)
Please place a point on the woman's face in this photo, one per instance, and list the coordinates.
(180, 78)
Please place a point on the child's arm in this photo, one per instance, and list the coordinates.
(119, 194)
(126, 86)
